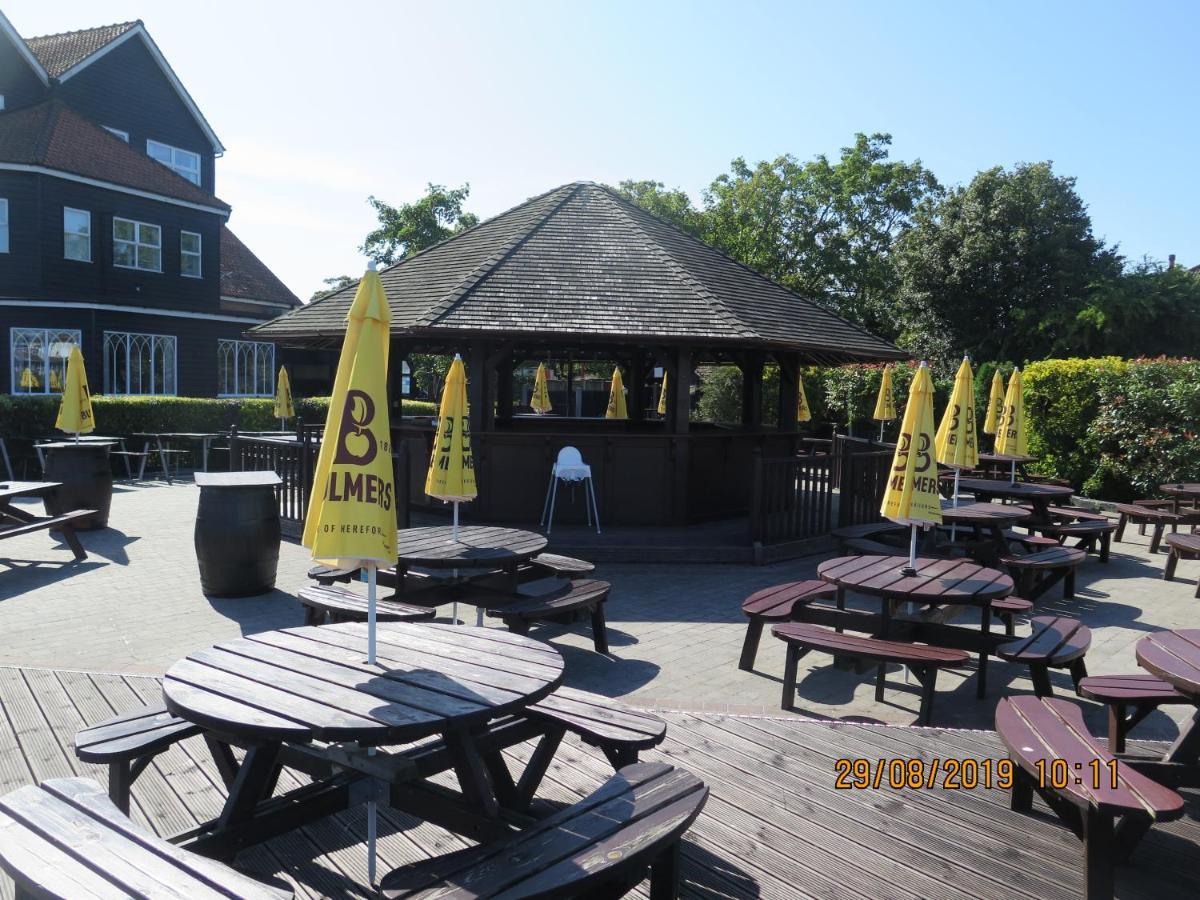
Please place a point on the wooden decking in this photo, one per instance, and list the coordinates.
(775, 826)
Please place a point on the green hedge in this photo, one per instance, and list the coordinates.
(1115, 429)
(33, 417)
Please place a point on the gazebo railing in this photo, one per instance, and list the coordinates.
(863, 468)
(792, 498)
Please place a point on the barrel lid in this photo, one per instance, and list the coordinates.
(237, 479)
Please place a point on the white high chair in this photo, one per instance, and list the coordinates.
(570, 467)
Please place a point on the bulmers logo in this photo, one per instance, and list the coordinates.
(356, 445)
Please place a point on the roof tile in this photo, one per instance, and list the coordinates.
(59, 52)
(245, 275)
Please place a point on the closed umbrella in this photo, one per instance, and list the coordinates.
(803, 413)
(991, 421)
(284, 409)
(29, 380)
(662, 396)
(351, 520)
(1012, 438)
(616, 398)
(885, 403)
(451, 475)
(540, 401)
(55, 381)
(75, 407)
(911, 497)
(957, 443)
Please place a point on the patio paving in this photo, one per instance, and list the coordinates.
(136, 606)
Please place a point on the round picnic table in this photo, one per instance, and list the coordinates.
(987, 523)
(312, 683)
(1181, 491)
(477, 546)
(937, 582)
(1174, 656)
(1038, 496)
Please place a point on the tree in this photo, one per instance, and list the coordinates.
(1000, 268)
(673, 205)
(336, 283)
(822, 228)
(406, 229)
(1149, 310)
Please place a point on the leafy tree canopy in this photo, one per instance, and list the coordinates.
(336, 283)
(411, 227)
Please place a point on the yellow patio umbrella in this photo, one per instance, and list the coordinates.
(616, 398)
(911, 497)
(885, 403)
(957, 443)
(540, 401)
(662, 396)
(75, 407)
(351, 520)
(803, 413)
(284, 409)
(1012, 438)
(55, 381)
(29, 380)
(991, 421)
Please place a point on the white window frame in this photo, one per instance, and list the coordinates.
(179, 160)
(87, 234)
(186, 253)
(3, 224)
(249, 368)
(123, 135)
(154, 344)
(137, 243)
(48, 337)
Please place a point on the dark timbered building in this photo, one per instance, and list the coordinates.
(112, 236)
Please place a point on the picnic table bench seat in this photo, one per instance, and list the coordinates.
(65, 839)
(560, 566)
(1129, 698)
(326, 575)
(1035, 573)
(1110, 818)
(1031, 542)
(1089, 533)
(61, 524)
(1054, 642)
(1075, 514)
(778, 603)
(869, 547)
(1141, 516)
(335, 603)
(600, 846)
(923, 660)
(562, 604)
(866, 530)
(1181, 546)
(129, 456)
(1006, 609)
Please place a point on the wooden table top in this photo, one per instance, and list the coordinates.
(478, 546)
(981, 513)
(1174, 656)
(936, 581)
(1001, 458)
(1180, 490)
(1024, 490)
(11, 489)
(313, 683)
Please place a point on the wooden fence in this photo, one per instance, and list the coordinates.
(862, 469)
(294, 459)
(792, 498)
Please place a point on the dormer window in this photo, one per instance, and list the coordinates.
(182, 162)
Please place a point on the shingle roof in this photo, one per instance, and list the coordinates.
(53, 135)
(59, 52)
(583, 262)
(245, 275)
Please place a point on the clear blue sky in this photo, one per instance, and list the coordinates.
(322, 104)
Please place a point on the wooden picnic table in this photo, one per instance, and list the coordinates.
(1174, 656)
(15, 521)
(1181, 491)
(986, 524)
(308, 693)
(162, 441)
(937, 582)
(1039, 497)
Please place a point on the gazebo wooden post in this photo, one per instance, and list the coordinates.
(478, 392)
(678, 409)
(637, 389)
(789, 389)
(752, 373)
(570, 410)
(504, 391)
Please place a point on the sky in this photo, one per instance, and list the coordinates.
(322, 104)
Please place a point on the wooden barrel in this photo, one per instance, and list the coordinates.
(237, 533)
(85, 475)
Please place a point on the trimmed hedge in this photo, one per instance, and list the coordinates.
(33, 417)
(1115, 429)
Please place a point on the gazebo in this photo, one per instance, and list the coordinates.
(580, 273)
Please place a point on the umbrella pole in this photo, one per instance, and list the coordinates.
(1013, 472)
(372, 829)
(911, 568)
(954, 525)
(371, 587)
